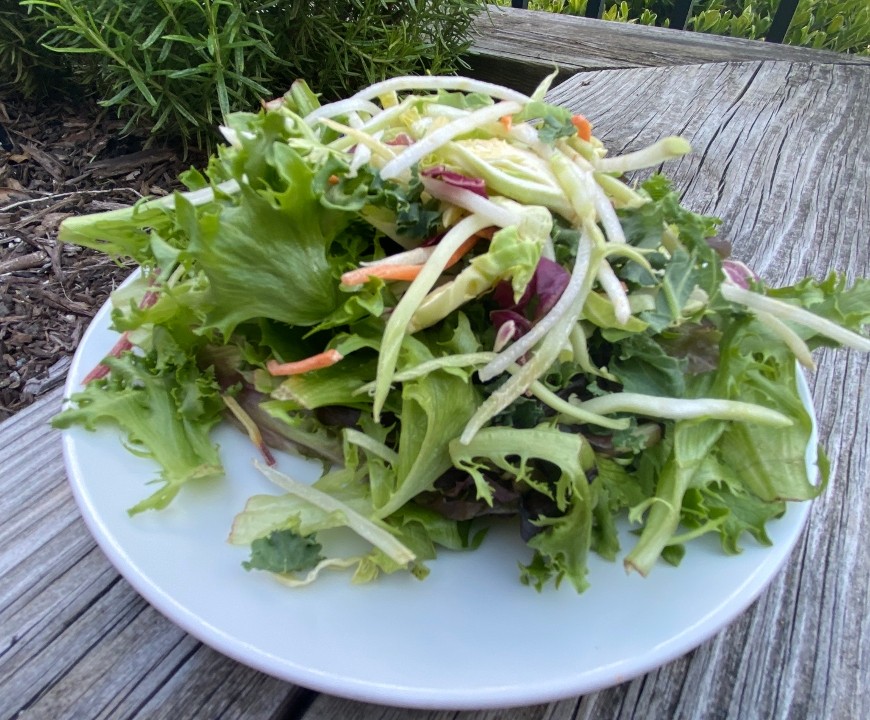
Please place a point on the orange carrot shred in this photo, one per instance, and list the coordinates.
(584, 128)
(385, 272)
(507, 121)
(401, 272)
(333, 180)
(462, 250)
(315, 362)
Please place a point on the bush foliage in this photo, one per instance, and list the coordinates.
(177, 66)
(24, 63)
(839, 25)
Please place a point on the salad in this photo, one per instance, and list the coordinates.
(454, 297)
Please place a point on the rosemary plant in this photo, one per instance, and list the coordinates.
(24, 63)
(177, 67)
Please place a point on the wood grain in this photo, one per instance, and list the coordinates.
(520, 47)
(782, 155)
(76, 641)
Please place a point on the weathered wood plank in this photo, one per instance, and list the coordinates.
(75, 639)
(791, 207)
(519, 47)
(327, 708)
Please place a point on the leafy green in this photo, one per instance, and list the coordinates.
(435, 408)
(771, 464)
(167, 415)
(643, 225)
(831, 298)
(643, 366)
(280, 235)
(741, 512)
(553, 121)
(282, 552)
(563, 545)
(692, 442)
(335, 385)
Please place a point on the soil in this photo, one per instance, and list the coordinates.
(57, 161)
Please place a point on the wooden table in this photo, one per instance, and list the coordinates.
(782, 155)
(518, 47)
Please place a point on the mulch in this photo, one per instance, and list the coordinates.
(56, 161)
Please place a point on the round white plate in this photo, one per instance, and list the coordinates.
(468, 636)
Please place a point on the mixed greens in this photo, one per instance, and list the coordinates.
(449, 292)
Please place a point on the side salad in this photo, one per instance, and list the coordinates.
(450, 293)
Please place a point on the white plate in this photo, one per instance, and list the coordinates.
(469, 636)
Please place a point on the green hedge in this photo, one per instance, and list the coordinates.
(839, 25)
(175, 67)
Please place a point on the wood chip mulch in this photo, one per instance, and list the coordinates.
(68, 159)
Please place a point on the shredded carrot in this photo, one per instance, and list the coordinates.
(401, 272)
(385, 272)
(584, 128)
(315, 362)
(333, 180)
(507, 121)
(463, 249)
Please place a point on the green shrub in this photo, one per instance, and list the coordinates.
(24, 63)
(733, 18)
(642, 12)
(176, 67)
(839, 25)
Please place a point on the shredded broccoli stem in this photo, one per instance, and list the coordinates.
(397, 325)
(433, 82)
(367, 529)
(655, 154)
(524, 344)
(555, 338)
(444, 134)
(342, 107)
(787, 311)
(684, 409)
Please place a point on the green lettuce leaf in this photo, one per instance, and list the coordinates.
(562, 546)
(643, 366)
(265, 253)
(334, 385)
(166, 415)
(831, 298)
(770, 462)
(435, 409)
(693, 440)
